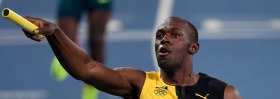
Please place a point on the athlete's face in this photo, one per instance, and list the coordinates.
(172, 43)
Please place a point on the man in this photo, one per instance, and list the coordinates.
(175, 44)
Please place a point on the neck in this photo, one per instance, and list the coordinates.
(183, 76)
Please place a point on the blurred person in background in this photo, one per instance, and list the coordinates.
(98, 13)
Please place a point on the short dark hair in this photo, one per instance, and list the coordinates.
(191, 27)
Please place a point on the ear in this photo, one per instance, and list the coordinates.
(194, 47)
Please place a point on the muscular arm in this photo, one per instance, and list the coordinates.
(231, 93)
(79, 65)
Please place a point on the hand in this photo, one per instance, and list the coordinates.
(45, 28)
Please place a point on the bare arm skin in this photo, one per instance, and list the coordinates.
(231, 93)
(125, 82)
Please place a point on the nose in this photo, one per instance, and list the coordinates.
(165, 40)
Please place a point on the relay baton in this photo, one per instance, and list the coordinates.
(20, 21)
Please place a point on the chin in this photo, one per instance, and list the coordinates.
(165, 65)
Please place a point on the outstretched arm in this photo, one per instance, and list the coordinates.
(79, 65)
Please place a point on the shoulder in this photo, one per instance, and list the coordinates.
(231, 93)
(211, 81)
(135, 76)
(131, 73)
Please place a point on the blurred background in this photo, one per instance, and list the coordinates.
(239, 42)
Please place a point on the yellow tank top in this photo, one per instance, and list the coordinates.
(206, 88)
(155, 88)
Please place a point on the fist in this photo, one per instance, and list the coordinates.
(45, 28)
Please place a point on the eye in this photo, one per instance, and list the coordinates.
(175, 35)
(159, 36)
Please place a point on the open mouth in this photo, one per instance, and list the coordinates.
(163, 51)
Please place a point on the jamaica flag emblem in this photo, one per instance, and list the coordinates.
(161, 91)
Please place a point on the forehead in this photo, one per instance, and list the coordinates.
(174, 23)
